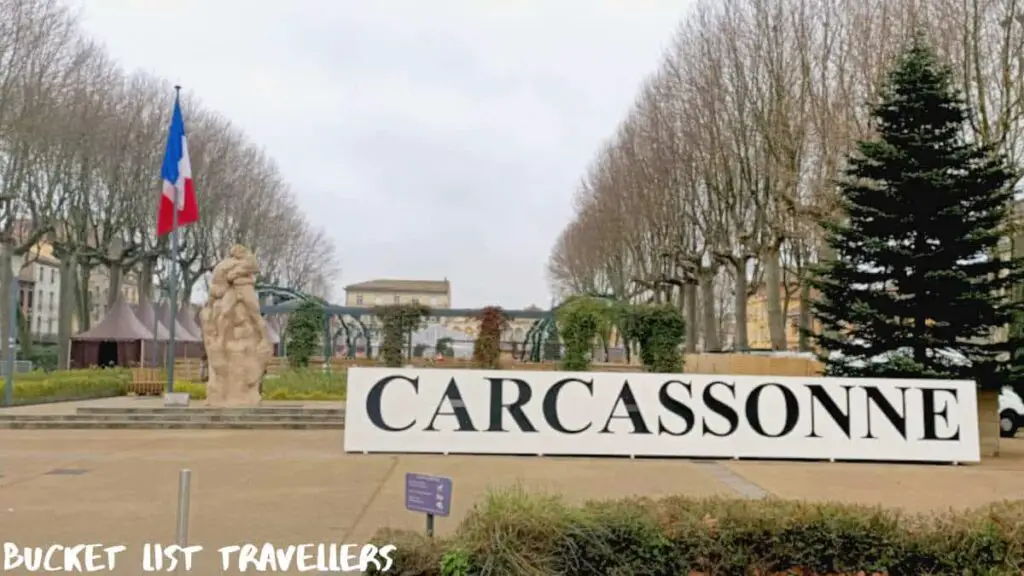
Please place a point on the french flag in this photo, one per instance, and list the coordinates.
(176, 174)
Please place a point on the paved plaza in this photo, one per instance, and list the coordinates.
(294, 487)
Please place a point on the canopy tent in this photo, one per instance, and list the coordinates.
(146, 313)
(186, 342)
(187, 315)
(118, 339)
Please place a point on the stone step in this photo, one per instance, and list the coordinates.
(174, 417)
(166, 425)
(204, 410)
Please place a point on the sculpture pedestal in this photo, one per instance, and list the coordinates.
(235, 380)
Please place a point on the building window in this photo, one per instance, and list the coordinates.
(50, 297)
(397, 299)
(49, 326)
(39, 324)
(359, 299)
(415, 300)
(52, 276)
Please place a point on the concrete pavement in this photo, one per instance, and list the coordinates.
(294, 487)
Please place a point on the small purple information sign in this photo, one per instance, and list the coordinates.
(428, 494)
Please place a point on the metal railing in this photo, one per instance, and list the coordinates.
(20, 367)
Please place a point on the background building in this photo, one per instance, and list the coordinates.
(39, 286)
(39, 293)
(758, 335)
(433, 294)
(430, 293)
(99, 292)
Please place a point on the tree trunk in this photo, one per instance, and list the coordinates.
(188, 285)
(690, 304)
(82, 297)
(65, 308)
(740, 304)
(146, 279)
(115, 284)
(826, 254)
(805, 317)
(708, 316)
(24, 334)
(773, 299)
(6, 287)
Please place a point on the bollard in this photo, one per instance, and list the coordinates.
(184, 499)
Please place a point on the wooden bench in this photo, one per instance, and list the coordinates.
(147, 382)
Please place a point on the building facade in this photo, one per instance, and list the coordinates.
(758, 334)
(39, 285)
(39, 292)
(430, 293)
(99, 292)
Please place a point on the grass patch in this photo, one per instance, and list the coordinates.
(515, 532)
(40, 387)
(309, 385)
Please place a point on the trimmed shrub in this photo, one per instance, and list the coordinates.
(397, 321)
(303, 333)
(513, 532)
(195, 390)
(40, 387)
(660, 331)
(42, 357)
(289, 385)
(487, 348)
(580, 320)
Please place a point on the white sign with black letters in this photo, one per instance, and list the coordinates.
(643, 414)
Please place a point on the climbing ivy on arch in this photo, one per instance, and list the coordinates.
(487, 348)
(397, 321)
(660, 330)
(303, 332)
(582, 319)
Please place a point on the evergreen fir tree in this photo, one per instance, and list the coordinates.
(925, 210)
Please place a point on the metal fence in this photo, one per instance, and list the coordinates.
(20, 366)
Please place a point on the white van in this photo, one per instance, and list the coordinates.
(1011, 412)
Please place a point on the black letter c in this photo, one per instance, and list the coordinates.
(373, 407)
(550, 405)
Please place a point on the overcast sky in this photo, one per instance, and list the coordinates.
(429, 138)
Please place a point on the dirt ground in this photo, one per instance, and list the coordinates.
(294, 487)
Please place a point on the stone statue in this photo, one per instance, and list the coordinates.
(237, 345)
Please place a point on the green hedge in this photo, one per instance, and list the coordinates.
(515, 533)
(40, 387)
(307, 384)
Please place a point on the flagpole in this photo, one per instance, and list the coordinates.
(173, 290)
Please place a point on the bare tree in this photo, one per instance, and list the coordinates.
(80, 146)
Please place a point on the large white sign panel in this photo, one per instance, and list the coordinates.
(684, 415)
